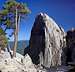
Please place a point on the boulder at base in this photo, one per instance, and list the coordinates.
(17, 64)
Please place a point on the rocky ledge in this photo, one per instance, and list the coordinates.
(18, 64)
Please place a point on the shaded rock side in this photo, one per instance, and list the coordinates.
(70, 46)
(46, 41)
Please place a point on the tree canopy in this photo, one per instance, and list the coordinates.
(8, 14)
(10, 17)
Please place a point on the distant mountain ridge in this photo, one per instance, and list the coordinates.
(22, 44)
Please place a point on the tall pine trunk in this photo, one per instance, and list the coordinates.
(15, 34)
(17, 21)
(0, 49)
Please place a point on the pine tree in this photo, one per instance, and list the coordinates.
(11, 16)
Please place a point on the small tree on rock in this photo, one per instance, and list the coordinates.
(17, 11)
(3, 40)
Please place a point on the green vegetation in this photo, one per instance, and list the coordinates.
(10, 17)
(3, 40)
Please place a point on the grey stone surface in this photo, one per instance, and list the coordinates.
(46, 41)
(17, 64)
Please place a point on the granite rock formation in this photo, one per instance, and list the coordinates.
(17, 64)
(70, 46)
(46, 41)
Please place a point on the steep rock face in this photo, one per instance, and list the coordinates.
(70, 42)
(46, 41)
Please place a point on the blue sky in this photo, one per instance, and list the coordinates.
(62, 11)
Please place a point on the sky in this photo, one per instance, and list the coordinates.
(62, 11)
